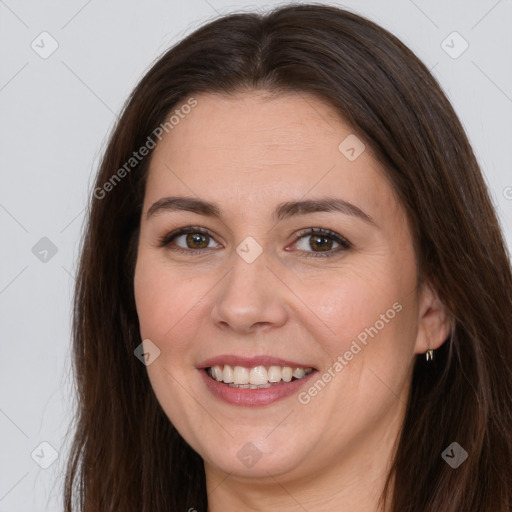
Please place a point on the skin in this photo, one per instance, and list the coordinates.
(248, 153)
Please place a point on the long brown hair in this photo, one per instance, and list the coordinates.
(126, 455)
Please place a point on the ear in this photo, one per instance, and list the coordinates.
(434, 321)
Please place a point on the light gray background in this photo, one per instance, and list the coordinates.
(56, 114)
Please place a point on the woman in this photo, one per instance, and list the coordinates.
(293, 291)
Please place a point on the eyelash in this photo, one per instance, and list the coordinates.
(344, 243)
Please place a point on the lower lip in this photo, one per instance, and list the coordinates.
(254, 397)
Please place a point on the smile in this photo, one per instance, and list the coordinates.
(242, 392)
(257, 377)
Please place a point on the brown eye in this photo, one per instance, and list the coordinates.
(197, 240)
(320, 242)
(188, 239)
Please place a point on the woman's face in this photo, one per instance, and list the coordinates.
(251, 291)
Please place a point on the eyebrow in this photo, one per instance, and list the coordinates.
(282, 211)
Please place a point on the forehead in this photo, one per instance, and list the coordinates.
(256, 123)
(252, 149)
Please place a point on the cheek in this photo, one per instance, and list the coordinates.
(348, 300)
(166, 303)
(164, 300)
(370, 315)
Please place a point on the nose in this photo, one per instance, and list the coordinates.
(250, 297)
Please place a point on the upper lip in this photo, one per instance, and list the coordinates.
(250, 362)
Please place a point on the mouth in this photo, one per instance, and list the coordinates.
(256, 377)
(255, 380)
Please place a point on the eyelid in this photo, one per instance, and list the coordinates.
(342, 241)
(167, 238)
(323, 231)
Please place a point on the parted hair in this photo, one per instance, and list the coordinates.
(126, 455)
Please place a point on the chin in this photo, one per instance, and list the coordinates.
(259, 458)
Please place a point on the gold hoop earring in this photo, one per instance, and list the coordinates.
(429, 355)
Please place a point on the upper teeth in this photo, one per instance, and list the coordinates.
(257, 375)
